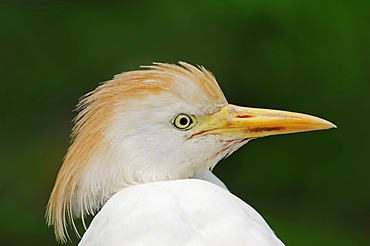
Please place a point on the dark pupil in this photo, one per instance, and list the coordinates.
(184, 121)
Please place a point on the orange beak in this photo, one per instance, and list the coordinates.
(241, 122)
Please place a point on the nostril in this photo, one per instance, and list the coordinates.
(244, 116)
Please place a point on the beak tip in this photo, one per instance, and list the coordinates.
(329, 125)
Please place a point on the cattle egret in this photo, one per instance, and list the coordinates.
(143, 148)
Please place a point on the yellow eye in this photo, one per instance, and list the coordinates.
(183, 121)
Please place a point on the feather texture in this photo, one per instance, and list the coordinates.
(81, 186)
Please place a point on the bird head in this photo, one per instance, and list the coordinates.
(166, 122)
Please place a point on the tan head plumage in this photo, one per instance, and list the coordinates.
(75, 192)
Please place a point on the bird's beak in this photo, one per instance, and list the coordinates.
(236, 122)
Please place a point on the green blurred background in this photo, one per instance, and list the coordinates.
(308, 56)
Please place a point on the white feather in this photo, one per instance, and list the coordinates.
(180, 212)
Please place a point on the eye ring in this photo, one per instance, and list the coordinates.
(183, 121)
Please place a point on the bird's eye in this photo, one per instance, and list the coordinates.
(183, 121)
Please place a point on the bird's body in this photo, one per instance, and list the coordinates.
(178, 212)
(141, 144)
